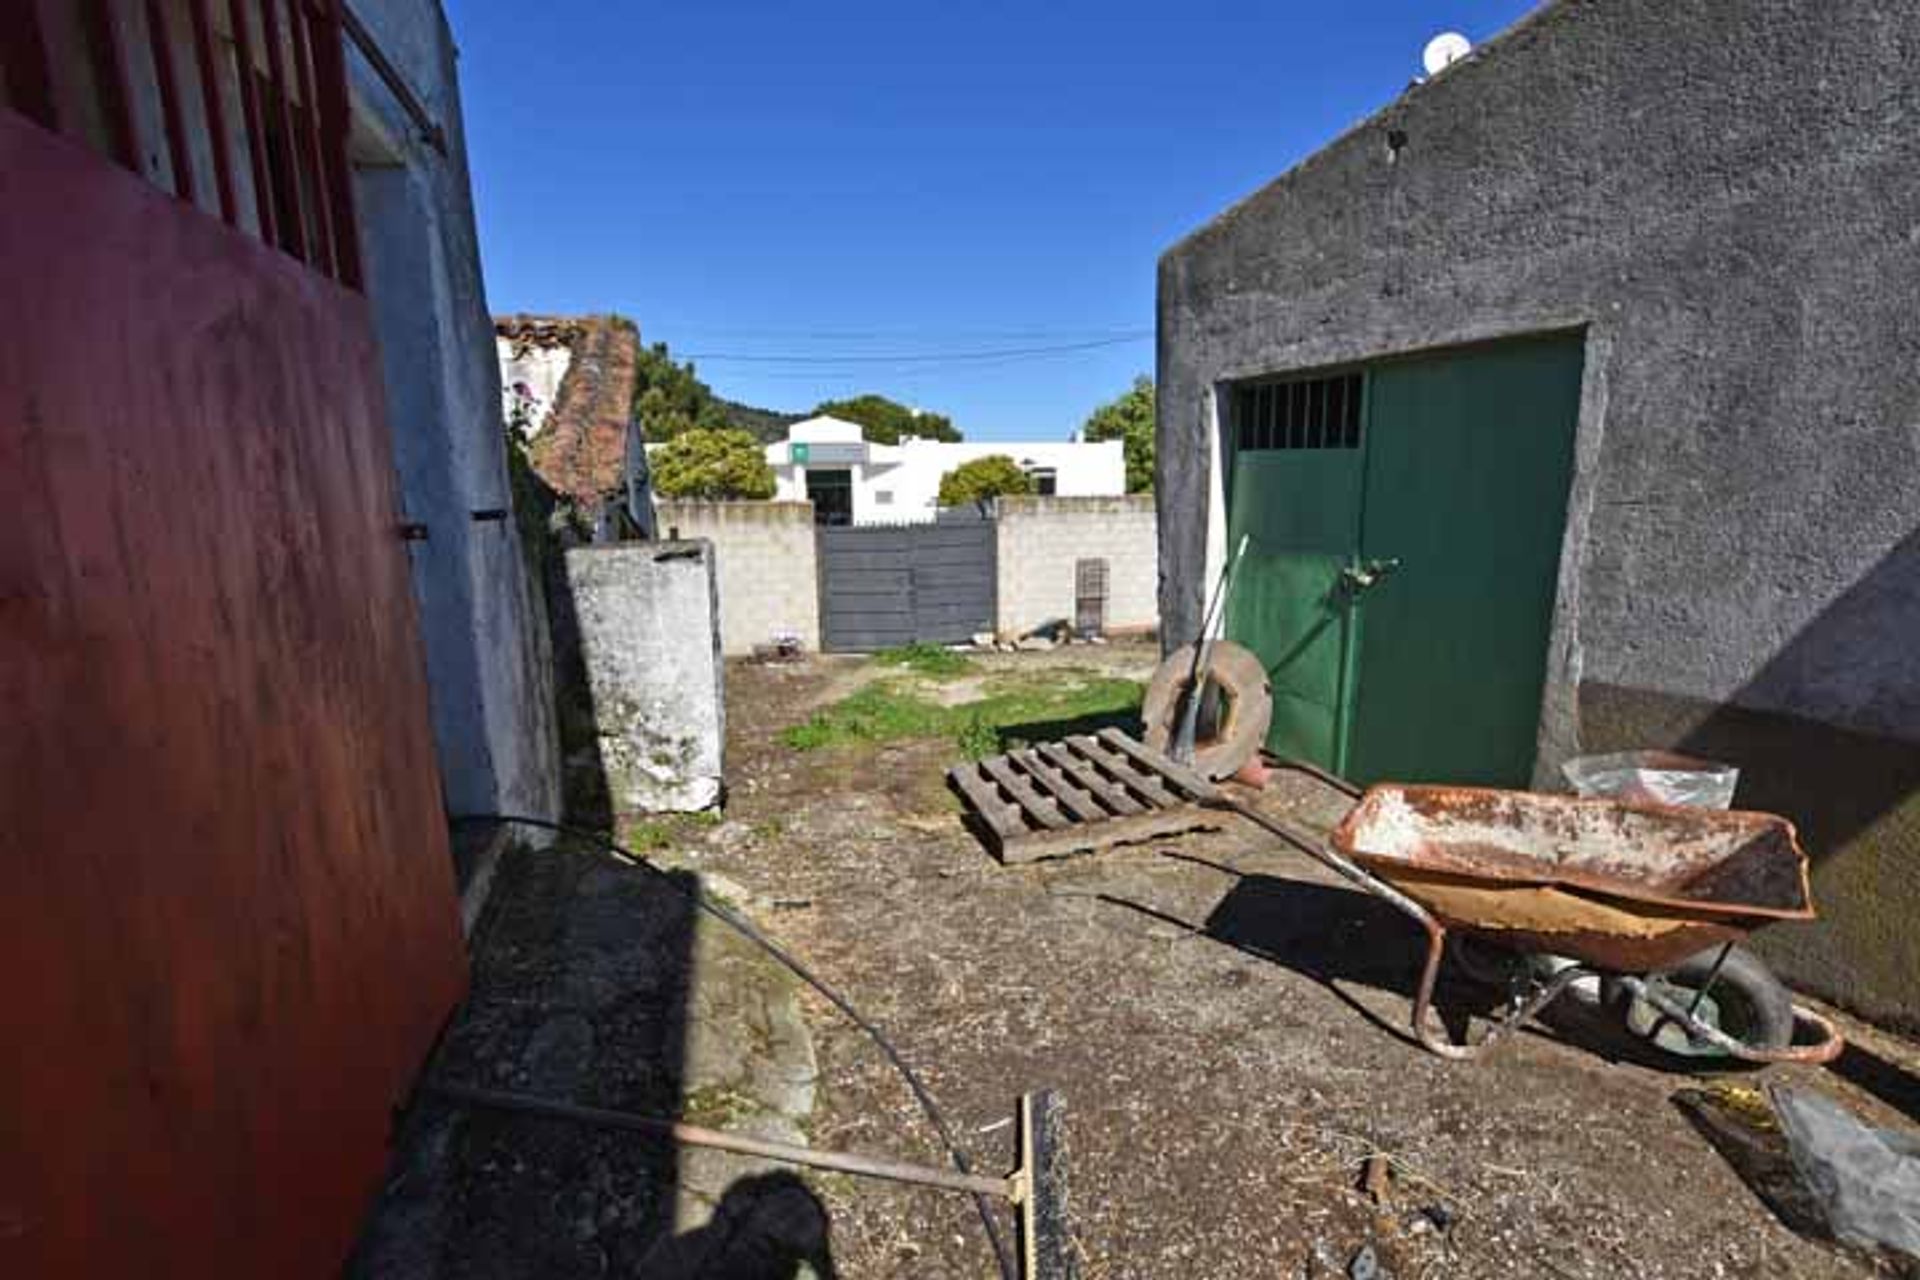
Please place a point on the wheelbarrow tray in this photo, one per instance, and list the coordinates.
(1633, 887)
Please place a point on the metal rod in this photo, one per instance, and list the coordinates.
(107, 46)
(216, 110)
(330, 72)
(307, 146)
(1713, 976)
(256, 126)
(376, 57)
(160, 40)
(694, 1136)
(293, 230)
(1825, 1049)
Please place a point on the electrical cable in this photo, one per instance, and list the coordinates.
(928, 1106)
(909, 357)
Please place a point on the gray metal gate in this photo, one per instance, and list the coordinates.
(887, 585)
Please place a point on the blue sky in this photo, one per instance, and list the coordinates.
(911, 197)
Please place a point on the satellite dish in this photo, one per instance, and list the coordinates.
(1444, 50)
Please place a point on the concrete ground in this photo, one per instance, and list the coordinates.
(1226, 1023)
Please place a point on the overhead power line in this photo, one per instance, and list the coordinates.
(915, 357)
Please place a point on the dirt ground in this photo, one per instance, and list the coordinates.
(1227, 1026)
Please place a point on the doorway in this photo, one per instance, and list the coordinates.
(831, 492)
(1404, 522)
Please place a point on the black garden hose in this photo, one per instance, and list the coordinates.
(1002, 1256)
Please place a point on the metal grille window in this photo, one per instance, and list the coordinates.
(1089, 596)
(237, 106)
(1304, 413)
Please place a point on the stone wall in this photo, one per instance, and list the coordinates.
(1719, 199)
(767, 562)
(645, 618)
(1041, 540)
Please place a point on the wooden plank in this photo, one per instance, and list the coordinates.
(1081, 804)
(1001, 819)
(1098, 837)
(1196, 787)
(1114, 797)
(1117, 766)
(1040, 808)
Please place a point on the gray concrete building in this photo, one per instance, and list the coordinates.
(482, 614)
(1571, 403)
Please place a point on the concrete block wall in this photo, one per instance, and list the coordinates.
(1042, 539)
(645, 619)
(768, 567)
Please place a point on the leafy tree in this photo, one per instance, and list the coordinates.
(983, 478)
(669, 399)
(887, 421)
(704, 463)
(1129, 419)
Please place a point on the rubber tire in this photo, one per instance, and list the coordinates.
(1764, 1007)
(1242, 676)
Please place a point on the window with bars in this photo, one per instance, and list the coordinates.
(1301, 413)
(237, 106)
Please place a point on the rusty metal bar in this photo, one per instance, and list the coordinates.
(435, 136)
(1825, 1049)
(293, 226)
(24, 60)
(694, 1136)
(307, 145)
(215, 108)
(250, 108)
(107, 49)
(178, 152)
(335, 114)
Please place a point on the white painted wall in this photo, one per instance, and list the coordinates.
(538, 369)
(901, 483)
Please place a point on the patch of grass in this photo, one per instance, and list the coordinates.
(647, 835)
(715, 1106)
(936, 661)
(1012, 715)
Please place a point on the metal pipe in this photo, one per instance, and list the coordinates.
(694, 1136)
(435, 136)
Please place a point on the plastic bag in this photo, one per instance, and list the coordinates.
(1654, 775)
(1866, 1180)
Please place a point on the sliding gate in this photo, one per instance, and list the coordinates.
(887, 585)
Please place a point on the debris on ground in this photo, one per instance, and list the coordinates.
(1865, 1180)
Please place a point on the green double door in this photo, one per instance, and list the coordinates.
(1404, 523)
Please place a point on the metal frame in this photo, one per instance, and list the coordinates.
(286, 57)
(1426, 1024)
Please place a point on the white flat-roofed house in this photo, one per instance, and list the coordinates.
(829, 462)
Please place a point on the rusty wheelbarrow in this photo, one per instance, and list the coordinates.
(1637, 904)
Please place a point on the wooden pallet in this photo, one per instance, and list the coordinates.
(1082, 795)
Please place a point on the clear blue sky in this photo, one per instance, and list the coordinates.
(852, 178)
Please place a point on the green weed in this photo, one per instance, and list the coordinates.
(936, 661)
(1015, 714)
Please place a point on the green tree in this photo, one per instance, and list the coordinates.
(887, 421)
(706, 463)
(983, 478)
(669, 399)
(1129, 419)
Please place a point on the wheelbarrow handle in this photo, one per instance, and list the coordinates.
(1426, 1024)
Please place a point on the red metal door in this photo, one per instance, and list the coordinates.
(230, 930)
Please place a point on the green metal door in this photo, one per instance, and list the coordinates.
(1295, 497)
(1430, 649)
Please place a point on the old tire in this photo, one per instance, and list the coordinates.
(1749, 1003)
(1234, 718)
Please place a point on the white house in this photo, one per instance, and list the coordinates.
(849, 481)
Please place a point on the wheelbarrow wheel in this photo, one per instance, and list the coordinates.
(1743, 999)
